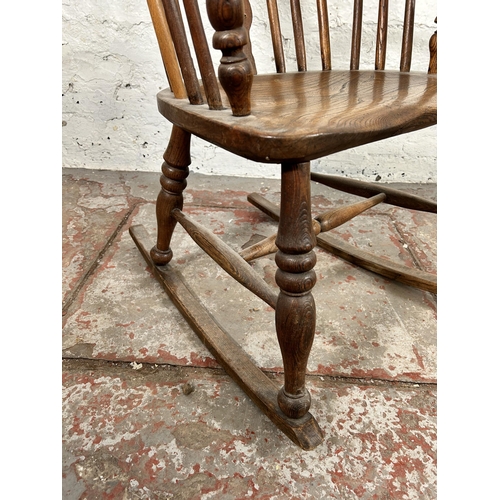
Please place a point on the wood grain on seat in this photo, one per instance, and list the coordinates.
(307, 115)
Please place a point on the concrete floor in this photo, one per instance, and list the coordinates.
(133, 427)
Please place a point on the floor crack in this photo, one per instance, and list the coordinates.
(74, 293)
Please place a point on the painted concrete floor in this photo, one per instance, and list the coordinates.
(147, 411)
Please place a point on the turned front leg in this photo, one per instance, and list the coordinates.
(295, 310)
(173, 182)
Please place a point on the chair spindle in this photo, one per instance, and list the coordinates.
(433, 42)
(324, 35)
(167, 49)
(274, 21)
(178, 32)
(298, 34)
(247, 24)
(203, 56)
(383, 17)
(357, 28)
(407, 43)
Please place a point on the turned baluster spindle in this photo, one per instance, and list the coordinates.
(235, 70)
(173, 182)
(295, 309)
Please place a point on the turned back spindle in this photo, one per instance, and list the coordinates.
(174, 20)
(179, 26)
(324, 31)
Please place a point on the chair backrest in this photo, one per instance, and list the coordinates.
(231, 20)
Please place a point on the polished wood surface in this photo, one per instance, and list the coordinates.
(304, 116)
(288, 119)
(295, 310)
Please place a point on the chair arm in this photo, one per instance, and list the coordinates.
(235, 71)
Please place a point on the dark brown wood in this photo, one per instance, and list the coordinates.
(173, 182)
(415, 278)
(227, 258)
(324, 222)
(295, 118)
(167, 49)
(298, 35)
(407, 43)
(274, 21)
(235, 71)
(247, 24)
(338, 110)
(433, 44)
(305, 432)
(324, 34)
(176, 25)
(338, 216)
(357, 25)
(381, 47)
(360, 188)
(210, 84)
(367, 260)
(295, 310)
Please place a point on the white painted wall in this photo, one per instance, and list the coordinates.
(112, 71)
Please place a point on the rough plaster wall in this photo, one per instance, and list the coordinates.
(112, 71)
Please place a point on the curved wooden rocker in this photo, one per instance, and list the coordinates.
(367, 260)
(305, 431)
(289, 119)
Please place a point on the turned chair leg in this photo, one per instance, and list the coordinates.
(173, 182)
(295, 310)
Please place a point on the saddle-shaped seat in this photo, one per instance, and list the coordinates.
(303, 116)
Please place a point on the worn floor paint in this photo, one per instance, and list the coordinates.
(134, 434)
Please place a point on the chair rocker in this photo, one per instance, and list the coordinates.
(287, 119)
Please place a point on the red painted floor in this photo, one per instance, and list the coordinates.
(131, 429)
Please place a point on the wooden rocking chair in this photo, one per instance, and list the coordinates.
(287, 119)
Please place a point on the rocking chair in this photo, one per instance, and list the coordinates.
(287, 119)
